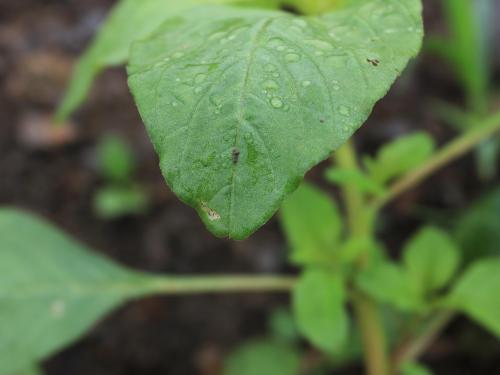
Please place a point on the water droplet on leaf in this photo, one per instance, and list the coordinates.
(270, 85)
(276, 102)
(292, 57)
(200, 78)
(344, 110)
(270, 68)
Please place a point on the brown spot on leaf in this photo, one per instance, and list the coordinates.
(212, 214)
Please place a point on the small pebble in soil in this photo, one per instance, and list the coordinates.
(37, 131)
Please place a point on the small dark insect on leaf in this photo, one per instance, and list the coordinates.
(374, 62)
(236, 155)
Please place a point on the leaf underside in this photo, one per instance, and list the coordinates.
(241, 103)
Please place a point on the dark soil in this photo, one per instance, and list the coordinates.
(56, 178)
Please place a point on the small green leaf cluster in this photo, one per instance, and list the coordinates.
(430, 260)
(436, 275)
(393, 160)
(120, 195)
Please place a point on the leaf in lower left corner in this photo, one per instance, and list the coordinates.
(52, 290)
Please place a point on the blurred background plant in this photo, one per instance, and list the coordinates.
(469, 50)
(120, 195)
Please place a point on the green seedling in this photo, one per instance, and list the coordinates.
(120, 195)
(240, 102)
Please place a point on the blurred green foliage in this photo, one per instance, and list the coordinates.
(120, 195)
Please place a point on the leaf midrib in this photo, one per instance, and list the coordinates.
(240, 112)
(70, 289)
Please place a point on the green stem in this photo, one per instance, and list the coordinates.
(455, 149)
(413, 348)
(374, 342)
(366, 310)
(219, 284)
(345, 157)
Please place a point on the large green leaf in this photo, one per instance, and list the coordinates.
(313, 226)
(240, 104)
(318, 303)
(51, 290)
(130, 20)
(31, 370)
(476, 293)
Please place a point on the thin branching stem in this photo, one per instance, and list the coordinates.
(411, 349)
(366, 310)
(455, 149)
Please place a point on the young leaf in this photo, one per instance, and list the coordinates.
(318, 304)
(431, 258)
(51, 290)
(240, 103)
(400, 156)
(262, 357)
(130, 20)
(356, 178)
(389, 283)
(312, 224)
(476, 294)
(478, 229)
